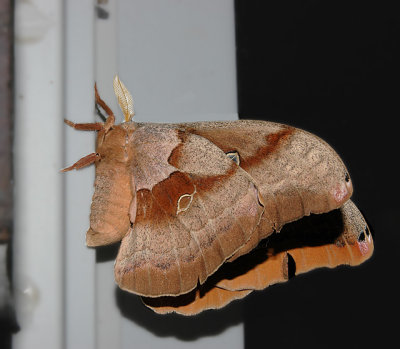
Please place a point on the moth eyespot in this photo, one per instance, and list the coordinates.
(234, 155)
(361, 237)
(184, 202)
(367, 231)
(347, 177)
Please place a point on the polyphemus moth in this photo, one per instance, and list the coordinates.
(203, 210)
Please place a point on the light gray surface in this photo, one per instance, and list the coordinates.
(178, 57)
(178, 60)
(80, 289)
(38, 148)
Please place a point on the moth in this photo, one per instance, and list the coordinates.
(191, 202)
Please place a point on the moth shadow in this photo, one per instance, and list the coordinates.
(207, 323)
(313, 230)
(107, 253)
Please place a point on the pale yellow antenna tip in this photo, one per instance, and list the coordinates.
(124, 98)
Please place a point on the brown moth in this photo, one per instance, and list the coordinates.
(184, 199)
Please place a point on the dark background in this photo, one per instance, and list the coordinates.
(332, 68)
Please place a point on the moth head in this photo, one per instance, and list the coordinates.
(110, 138)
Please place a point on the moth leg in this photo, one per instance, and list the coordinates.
(85, 161)
(111, 118)
(96, 126)
(99, 113)
(92, 126)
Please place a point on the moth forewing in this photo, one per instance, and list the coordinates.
(201, 209)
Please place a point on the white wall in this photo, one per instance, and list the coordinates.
(178, 60)
(38, 156)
